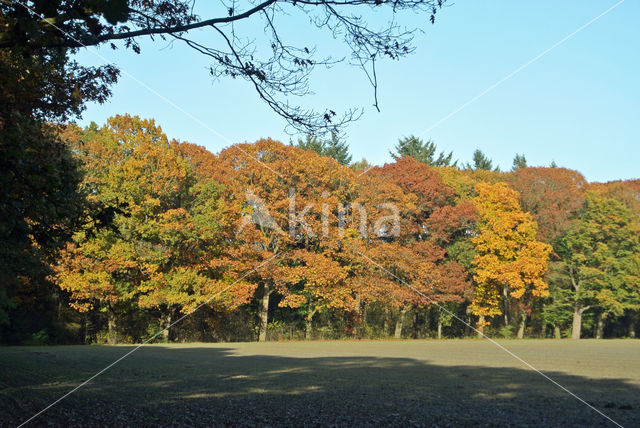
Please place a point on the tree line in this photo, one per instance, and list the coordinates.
(267, 241)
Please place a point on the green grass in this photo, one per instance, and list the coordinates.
(442, 383)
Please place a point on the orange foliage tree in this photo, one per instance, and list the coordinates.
(554, 196)
(290, 204)
(510, 263)
(625, 191)
(422, 274)
(166, 227)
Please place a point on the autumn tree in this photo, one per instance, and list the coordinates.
(510, 263)
(600, 266)
(203, 163)
(554, 196)
(461, 181)
(290, 205)
(157, 253)
(315, 283)
(417, 255)
(410, 277)
(624, 191)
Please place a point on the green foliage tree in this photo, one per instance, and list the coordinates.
(313, 143)
(40, 203)
(422, 151)
(519, 161)
(338, 149)
(333, 147)
(600, 261)
(156, 254)
(481, 162)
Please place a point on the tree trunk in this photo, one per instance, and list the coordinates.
(467, 327)
(633, 319)
(556, 332)
(308, 328)
(362, 308)
(602, 317)
(203, 327)
(166, 323)
(399, 322)
(439, 328)
(385, 324)
(112, 337)
(309, 324)
(576, 325)
(427, 323)
(505, 294)
(577, 322)
(85, 328)
(58, 306)
(264, 312)
(523, 324)
(480, 328)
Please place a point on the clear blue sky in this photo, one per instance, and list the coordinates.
(579, 105)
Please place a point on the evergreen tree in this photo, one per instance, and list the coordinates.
(333, 147)
(337, 149)
(421, 151)
(311, 143)
(481, 161)
(520, 161)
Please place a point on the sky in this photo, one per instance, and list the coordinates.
(577, 105)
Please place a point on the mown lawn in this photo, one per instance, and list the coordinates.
(410, 383)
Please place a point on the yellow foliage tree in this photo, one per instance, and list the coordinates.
(510, 263)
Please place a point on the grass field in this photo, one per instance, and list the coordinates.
(409, 383)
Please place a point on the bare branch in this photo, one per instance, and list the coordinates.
(283, 72)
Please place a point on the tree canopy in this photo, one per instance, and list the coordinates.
(269, 240)
(600, 268)
(510, 263)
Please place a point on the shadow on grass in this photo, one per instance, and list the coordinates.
(211, 386)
